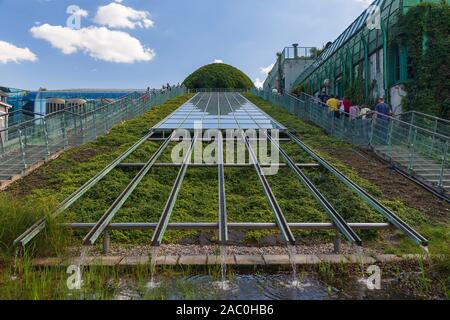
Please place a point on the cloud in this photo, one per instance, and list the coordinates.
(118, 16)
(259, 83)
(11, 53)
(266, 70)
(217, 61)
(364, 3)
(98, 42)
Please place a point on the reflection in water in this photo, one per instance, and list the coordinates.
(258, 287)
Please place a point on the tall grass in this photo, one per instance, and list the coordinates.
(15, 217)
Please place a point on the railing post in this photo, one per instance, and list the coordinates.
(81, 128)
(63, 129)
(2, 133)
(94, 124)
(434, 134)
(389, 138)
(372, 130)
(333, 117)
(47, 148)
(411, 155)
(444, 162)
(343, 117)
(22, 150)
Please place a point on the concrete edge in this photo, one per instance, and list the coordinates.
(236, 260)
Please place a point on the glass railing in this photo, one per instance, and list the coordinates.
(419, 151)
(28, 142)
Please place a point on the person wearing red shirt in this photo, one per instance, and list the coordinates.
(347, 104)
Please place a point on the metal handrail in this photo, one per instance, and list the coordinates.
(426, 115)
(20, 111)
(435, 134)
(18, 125)
(397, 141)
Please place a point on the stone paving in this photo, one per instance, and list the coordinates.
(240, 260)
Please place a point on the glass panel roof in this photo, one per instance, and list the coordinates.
(219, 110)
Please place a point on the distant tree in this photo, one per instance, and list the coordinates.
(218, 75)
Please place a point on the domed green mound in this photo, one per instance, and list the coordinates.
(218, 75)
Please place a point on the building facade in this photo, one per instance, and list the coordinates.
(290, 63)
(4, 110)
(365, 55)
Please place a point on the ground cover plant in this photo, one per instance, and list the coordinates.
(197, 201)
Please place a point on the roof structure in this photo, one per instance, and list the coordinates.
(219, 111)
(223, 110)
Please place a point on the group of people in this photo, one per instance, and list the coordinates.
(345, 107)
(168, 87)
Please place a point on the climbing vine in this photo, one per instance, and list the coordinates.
(429, 58)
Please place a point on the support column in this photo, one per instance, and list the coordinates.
(385, 63)
(106, 242)
(337, 243)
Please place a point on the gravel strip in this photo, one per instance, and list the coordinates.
(192, 250)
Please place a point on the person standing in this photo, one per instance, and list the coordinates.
(354, 112)
(346, 104)
(333, 105)
(323, 97)
(383, 112)
(383, 109)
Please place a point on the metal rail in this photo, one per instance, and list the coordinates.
(34, 230)
(337, 219)
(168, 209)
(388, 214)
(209, 165)
(231, 225)
(276, 209)
(101, 225)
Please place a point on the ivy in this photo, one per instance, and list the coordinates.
(428, 87)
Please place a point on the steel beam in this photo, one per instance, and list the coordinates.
(388, 214)
(231, 226)
(213, 140)
(167, 212)
(276, 209)
(206, 165)
(101, 225)
(337, 219)
(40, 225)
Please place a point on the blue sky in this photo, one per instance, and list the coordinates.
(140, 43)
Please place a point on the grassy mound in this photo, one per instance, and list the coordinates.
(218, 75)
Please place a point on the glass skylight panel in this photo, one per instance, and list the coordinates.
(219, 111)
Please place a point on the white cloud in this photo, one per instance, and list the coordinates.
(11, 53)
(364, 3)
(116, 15)
(218, 61)
(98, 42)
(259, 83)
(266, 70)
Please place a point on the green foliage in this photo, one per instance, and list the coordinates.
(246, 202)
(17, 215)
(429, 67)
(218, 75)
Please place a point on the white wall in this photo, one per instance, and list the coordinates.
(3, 123)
